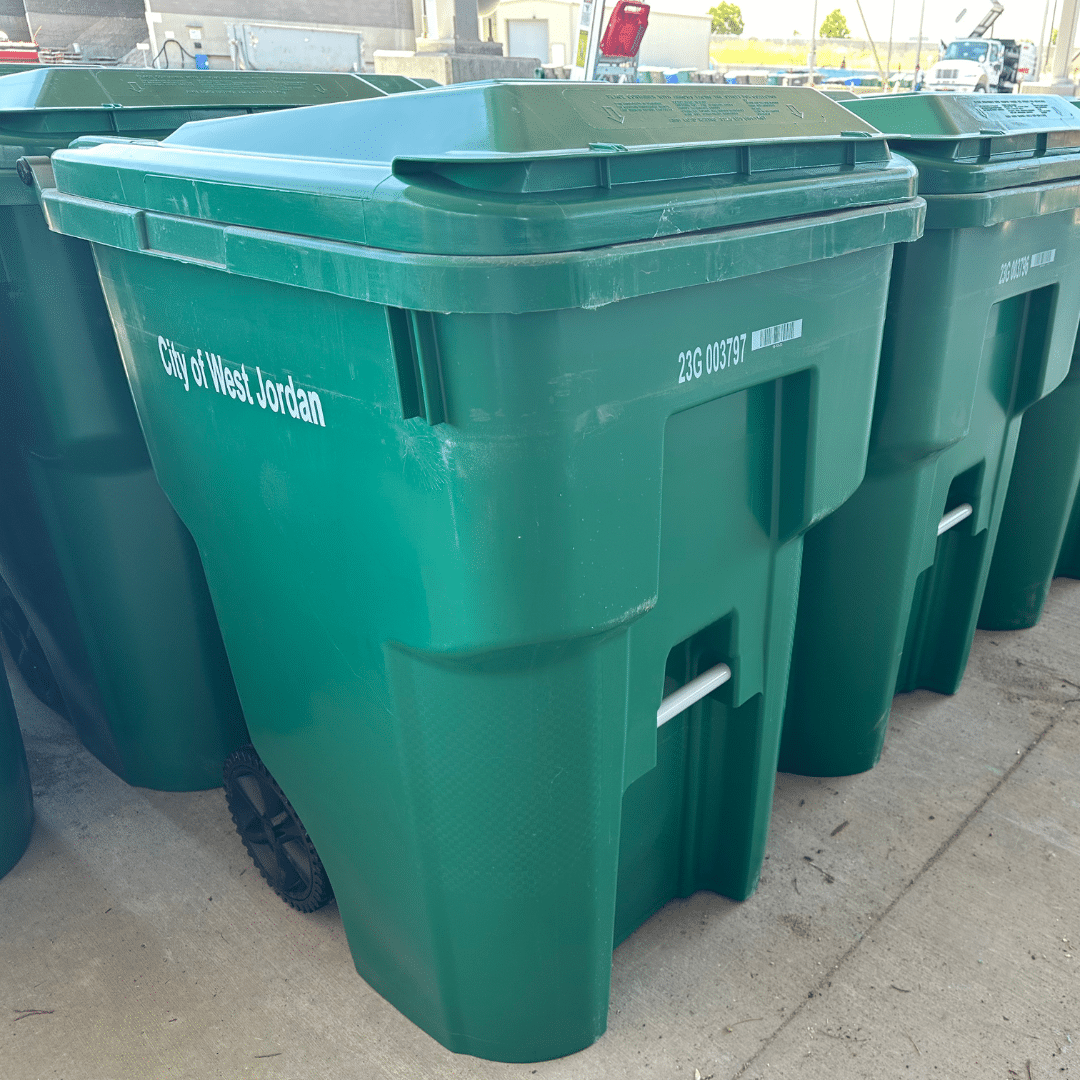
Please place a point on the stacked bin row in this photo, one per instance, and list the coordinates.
(535, 402)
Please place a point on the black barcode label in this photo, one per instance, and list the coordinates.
(776, 335)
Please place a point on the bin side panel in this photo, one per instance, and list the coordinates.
(29, 568)
(1028, 336)
(16, 800)
(862, 563)
(860, 568)
(63, 343)
(924, 404)
(1042, 490)
(141, 665)
(971, 340)
(1069, 560)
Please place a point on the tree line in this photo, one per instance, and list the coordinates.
(727, 19)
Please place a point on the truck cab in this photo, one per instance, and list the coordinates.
(969, 65)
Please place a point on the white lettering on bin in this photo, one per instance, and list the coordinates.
(213, 372)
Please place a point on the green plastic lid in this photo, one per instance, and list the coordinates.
(508, 168)
(13, 67)
(966, 143)
(47, 108)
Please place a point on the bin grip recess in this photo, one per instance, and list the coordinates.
(692, 692)
(604, 165)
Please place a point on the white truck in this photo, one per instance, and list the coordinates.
(979, 64)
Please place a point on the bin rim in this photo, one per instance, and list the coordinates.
(589, 279)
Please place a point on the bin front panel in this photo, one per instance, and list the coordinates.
(463, 627)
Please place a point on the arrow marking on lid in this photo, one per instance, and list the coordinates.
(615, 115)
(798, 112)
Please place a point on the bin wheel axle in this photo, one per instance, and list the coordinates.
(273, 834)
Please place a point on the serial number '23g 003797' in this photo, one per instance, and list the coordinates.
(715, 357)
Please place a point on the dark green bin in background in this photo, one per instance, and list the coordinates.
(1039, 538)
(982, 316)
(16, 798)
(107, 575)
(512, 439)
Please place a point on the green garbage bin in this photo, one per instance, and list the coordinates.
(1036, 540)
(498, 463)
(16, 799)
(107, 575)
(982, 316)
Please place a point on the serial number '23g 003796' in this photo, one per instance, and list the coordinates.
(715, 357)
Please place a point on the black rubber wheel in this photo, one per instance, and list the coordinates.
(273, 834)
(27, 653)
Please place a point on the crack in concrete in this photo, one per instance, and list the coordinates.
(880, 918)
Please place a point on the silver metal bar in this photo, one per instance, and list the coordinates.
(693, 691)
(954, 517)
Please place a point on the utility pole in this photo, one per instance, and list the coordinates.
(1046, 67)
(877, 60)
(888, 57)
(1042, 40)
(918, 51)
(813, 45)
(1044, 58)
(1065, 39)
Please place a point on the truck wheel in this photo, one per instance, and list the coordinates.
(980, 89)
(274, 836)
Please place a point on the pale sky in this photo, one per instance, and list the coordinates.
(781, 18)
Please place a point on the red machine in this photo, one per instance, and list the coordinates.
(625, 29)
(18, 52)
(617, 57)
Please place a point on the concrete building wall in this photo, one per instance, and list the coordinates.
(215, 32)
(384, 24)
(13, 20)
(387, 13)
(561, 19)
(101, 28)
